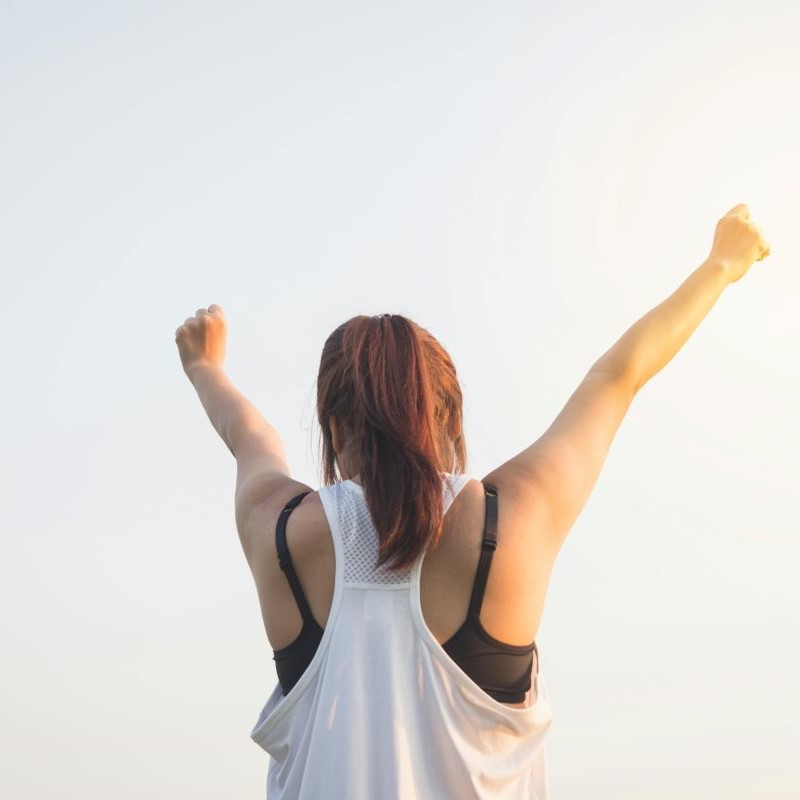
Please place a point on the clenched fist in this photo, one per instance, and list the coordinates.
(201, 338)
(738, 242)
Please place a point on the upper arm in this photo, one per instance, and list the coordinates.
(263, 480)
(559, 470)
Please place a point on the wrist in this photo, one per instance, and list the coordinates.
(720, 266)
(200, 367)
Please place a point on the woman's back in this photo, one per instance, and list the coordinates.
(380, 661)
(514, 595)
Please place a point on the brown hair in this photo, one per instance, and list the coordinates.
(394, 393)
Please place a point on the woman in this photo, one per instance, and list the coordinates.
(402, 600)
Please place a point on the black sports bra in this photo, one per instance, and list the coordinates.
(502, 670)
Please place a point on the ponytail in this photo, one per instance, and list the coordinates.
(395, 389)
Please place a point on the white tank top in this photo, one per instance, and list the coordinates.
(382, 711)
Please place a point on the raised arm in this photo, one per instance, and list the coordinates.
(556, 474)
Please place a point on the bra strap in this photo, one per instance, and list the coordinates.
(285, 561)
(488, 546)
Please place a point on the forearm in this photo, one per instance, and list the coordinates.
(228, 409)
(650, 343)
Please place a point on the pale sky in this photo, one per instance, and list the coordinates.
(525, 181)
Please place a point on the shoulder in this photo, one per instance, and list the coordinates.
(258, 512)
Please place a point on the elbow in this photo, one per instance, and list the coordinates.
(623, 372)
